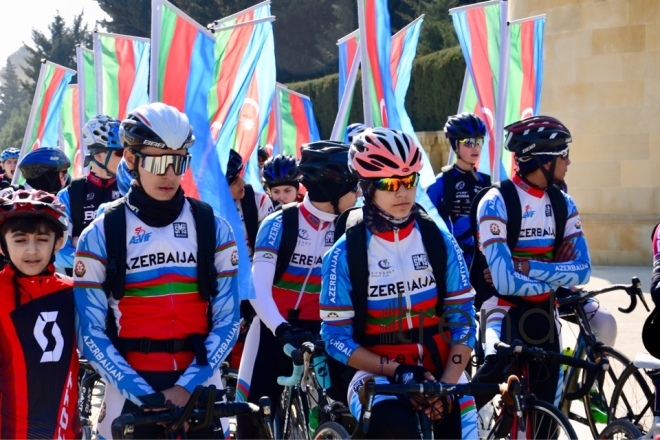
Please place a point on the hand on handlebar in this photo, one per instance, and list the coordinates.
(405, 374)
(288, 334)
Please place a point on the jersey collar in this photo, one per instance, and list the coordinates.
(96, 180)
(403, 233)
(527, 187)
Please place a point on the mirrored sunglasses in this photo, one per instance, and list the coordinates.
(159, 164)
(473, 142)
(564, 154)
(394, 183)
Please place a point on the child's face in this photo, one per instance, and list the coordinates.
(31, 252)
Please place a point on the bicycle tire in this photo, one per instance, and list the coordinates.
(535, 414)
(292, 422)
(331, 431)
(633, 403)
(620, 429)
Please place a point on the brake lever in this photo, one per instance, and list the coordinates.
(639, 292)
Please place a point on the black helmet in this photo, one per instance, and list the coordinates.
(536, 135)
(463, 126)
(156, 125)
(281, 170)
(42, 160)
(262, 154)
(325, 162)
(234, 166)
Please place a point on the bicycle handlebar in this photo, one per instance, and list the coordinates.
(518, 349)
(299, 356)
(634, 291)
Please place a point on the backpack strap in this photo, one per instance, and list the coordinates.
(207, 274)
(436, 252)
(513, 211)
(448, 191)
(356, 250)
(114, 225)
(289, 239)
(250, 215)
(560, 211)
(76, 202)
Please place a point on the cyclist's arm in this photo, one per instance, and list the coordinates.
(65, 256)
(224, 307)
(568, 273)
(655, 279)
(336, 305)
(492, 218)
(91, 312)
(263, 271)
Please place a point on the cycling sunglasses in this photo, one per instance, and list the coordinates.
(394, 183)
(473, 142)
(563, 153)
(159, 164)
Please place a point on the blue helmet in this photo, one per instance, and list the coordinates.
(354, 129)
(463, 126)
(43, 160)
(101, 132)
(10, 153)
(281, 170)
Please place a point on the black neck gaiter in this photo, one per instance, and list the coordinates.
(154, 213)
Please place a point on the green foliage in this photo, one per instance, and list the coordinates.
(11, 94)
(12, 131)
(434, 92)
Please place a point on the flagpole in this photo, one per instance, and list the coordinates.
(348, 37)
(185, 17)
(405, 28)
(217, 23)
(532, 18)
(338, 127)
(278, 119)
(80, 61)
(501, 91)
(98, 69)
(473, 6)
(366, 68)
(125, 37)
(245, 23)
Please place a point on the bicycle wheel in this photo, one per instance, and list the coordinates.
(597, 404)
(331, 431)
(540, 421)
(620, 429)
(633, 399)
(291, 421)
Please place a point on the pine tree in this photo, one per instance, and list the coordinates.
(11, 94)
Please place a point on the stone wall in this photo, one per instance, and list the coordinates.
(602, 79)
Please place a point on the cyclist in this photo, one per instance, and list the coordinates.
(167, 330)
(253, 206)
(655, 279)
(83, 197)
(525, 278)
(39, 363)
(262, 157)
(281, 178)
(45, 168)
(288, 309)
(353, 130)
(402, 297)
(455, 188)
(9, 159)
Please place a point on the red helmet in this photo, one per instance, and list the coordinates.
(20, 203)
(384, 152)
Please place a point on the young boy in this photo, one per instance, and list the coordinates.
(38, 359)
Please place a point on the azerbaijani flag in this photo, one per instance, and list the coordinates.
(380, 108)
(182, 59)
(297, 121)
(469, 103)
(86, 86)
(349, 64)
(122, 67)
(70, 129)
(348, 47)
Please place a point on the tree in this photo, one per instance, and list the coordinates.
(11, 94)
(13, 130)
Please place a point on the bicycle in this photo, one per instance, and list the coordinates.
(87, 379)
(370, 389)
(201, 411)
(305, 394)
(640, 406)
(596, 402)
(620, 429)
(544, 419)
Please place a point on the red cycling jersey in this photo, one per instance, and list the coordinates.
(38, 360)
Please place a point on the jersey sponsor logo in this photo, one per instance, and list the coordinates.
(306, 260)
(64, 414)
(115, 194)
(420, 261)
(384, 264)
(494, 229)
(303, 234)
(158, 258)
(140, 235)
(529, 212)
(89, 216)
(90, 196)
(460, 185)
(40, 327)
(234, 258)
(332, 315)
(399, 288)
(537, 232)
(330, 238)
(548, 210)
(79, 269)
(578, 225)
(268, 255)
(180, 229)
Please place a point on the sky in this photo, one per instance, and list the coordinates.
(19, 19)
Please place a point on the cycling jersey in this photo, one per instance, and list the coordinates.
(5, 181)
(38, 359)
(467, 185)
(97, 191)
(161, 301)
